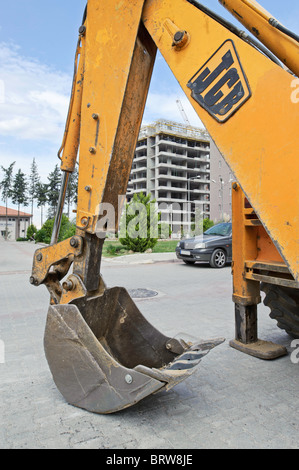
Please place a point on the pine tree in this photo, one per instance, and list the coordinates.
(53, 189)
(6, 189)
(41, 197)
(139, 224)
(33, 182)
(71, 192)
(19, 194)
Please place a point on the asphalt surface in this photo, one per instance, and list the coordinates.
(232, 401)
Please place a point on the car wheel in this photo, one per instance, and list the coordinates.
(188, 262)
(218, 259)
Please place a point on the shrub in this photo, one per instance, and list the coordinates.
(31, 232)
(111, 250)
(67, 230)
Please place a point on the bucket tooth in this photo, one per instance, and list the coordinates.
(105, 356)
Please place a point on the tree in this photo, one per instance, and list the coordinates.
(41, 198)
(139, 232)
(53, 189)
(19, 194)
(6, 189)
(33, 182)
(71, 192)
(207, 223)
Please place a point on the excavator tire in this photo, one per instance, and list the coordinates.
(284, 305)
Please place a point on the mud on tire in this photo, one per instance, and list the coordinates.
(284, 305)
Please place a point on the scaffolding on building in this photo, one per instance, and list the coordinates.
(174, 128)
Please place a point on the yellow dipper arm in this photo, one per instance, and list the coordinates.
(267, 29)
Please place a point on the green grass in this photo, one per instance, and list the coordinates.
(113, 248)
(167, 246)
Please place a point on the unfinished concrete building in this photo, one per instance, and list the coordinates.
(172, 163)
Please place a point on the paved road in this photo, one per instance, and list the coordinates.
(232, 400)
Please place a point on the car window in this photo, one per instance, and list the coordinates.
(219, 229)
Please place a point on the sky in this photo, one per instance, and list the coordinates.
(37, 49)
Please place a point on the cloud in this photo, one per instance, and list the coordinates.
(165, 106)
(34, 97)
(34, 100)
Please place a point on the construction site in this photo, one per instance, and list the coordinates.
(189, 349)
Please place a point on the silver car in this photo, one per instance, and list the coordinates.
(213, 246)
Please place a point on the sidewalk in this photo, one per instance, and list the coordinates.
(143, 258)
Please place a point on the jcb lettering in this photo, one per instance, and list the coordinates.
(206, 78)
(220, 86)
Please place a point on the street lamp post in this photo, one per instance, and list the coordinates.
(222, 191)
(189, 199)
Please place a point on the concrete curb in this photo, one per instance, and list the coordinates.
(143, 258)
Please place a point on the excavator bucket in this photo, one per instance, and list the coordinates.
(105, 356)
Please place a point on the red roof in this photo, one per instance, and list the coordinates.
(12, 212)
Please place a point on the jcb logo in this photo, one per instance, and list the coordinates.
(221, 86)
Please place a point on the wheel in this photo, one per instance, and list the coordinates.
(188, 262)
(284, 305)
(218, 258)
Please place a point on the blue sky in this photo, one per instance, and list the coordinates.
(38, 40)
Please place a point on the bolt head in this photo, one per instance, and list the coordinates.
(128, 379)
(33, 281)
(68, 285)
(179, 36)
(180, 40)
(73, 242)
(92, 150)
(82, 30)
(39, 257)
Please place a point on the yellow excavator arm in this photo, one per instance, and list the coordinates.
(241, 90)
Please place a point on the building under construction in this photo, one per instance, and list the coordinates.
(172, 162)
